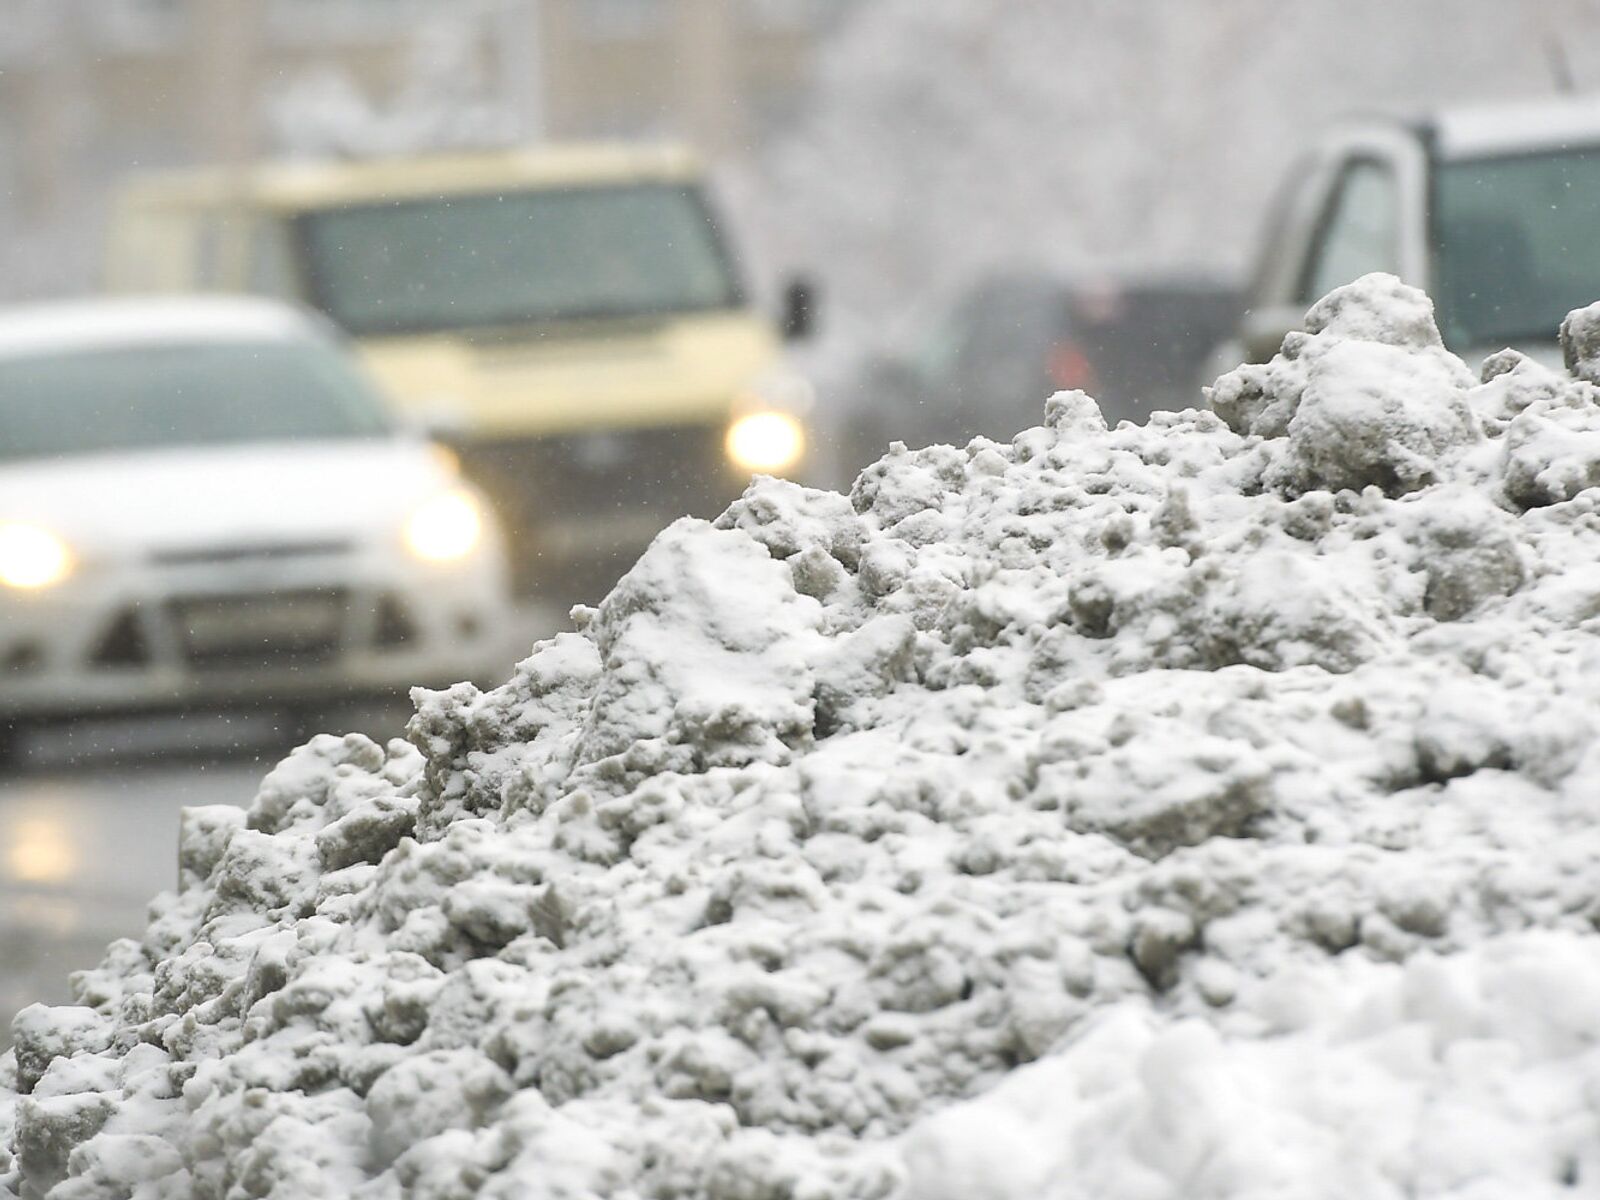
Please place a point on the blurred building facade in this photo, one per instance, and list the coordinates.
(91, 88)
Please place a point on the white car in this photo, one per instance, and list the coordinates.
(205, 502)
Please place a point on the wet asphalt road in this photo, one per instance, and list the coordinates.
(89, 824)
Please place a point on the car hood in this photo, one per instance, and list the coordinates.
(130, 504)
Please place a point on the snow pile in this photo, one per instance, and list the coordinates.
(1204, 809)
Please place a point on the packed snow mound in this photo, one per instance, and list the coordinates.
(1200, 809)
(1367, 395)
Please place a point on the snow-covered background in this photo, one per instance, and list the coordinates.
(946, 136)
(927, 139)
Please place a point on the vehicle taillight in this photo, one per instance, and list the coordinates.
(1069, 367)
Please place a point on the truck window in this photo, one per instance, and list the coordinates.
(493, 259)
(1359, 230)
(1513, 244)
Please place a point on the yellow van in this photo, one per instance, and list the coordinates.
(571, 319)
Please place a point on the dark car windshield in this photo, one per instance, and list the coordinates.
(1516, 245)
(470, 261)
(1135, 349)
(203, 393)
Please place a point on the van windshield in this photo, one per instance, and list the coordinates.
(462, 262)
(141, 397)
(1515, 245)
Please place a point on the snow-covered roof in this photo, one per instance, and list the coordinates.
(1524, 125)
(100, 323)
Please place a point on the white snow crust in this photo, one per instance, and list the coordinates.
(1203, 809)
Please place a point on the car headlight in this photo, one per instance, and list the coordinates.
(446, 528)
(766, 441)
(31, 557)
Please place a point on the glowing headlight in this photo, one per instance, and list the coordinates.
(40, 849)
(446, 528)
(766, 441)
(31, 557)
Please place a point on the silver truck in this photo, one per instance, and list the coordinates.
(1494, 211)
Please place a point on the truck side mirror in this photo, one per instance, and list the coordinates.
(799, 309)
(1262, 330)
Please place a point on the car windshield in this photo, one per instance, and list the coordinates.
(482, 260)
(192, 394)
(1515, 244)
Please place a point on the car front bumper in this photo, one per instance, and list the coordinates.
(248, 629)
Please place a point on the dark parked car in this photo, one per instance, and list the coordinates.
(987, 364)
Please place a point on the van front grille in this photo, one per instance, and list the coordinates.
(182, 556)
(580, 507)
(672, 471)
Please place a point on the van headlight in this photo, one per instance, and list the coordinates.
(446, 528)
(766, 441)
(31, 557)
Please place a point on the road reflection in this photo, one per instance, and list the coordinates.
(39, 848)
(88, 830)
(89, 819)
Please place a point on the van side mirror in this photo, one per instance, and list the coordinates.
(799, 309)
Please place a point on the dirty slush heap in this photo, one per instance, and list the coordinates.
(1202, 809)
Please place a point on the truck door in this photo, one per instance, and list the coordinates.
(1359, 230)
(1358, 205)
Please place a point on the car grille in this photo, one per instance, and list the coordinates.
(284, 627)
(183, 556)
(578, 508)
(287, 627)
(123, 644)
(672, 471)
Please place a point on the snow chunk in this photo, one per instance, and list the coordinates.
(1366, 396)
(705, 642)
(1580, 343)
